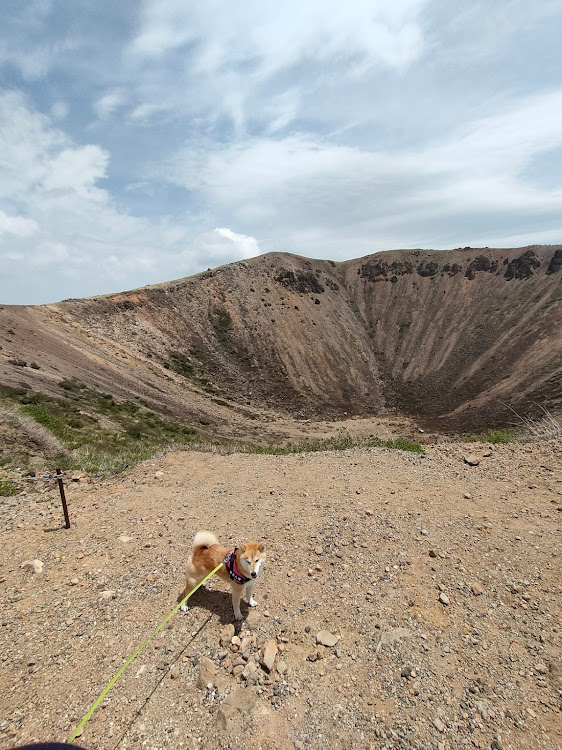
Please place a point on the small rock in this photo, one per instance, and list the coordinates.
(432, 553)
(391, 636)
(36, 566)
(238, 702)
(207, 673)
(319, 550)
(444, 599)
(226, 635)
(467, 496)
(124, 538)
(471, 459)
(541, 668)
(250, 673)
(245, 645)
(325, 638)
(438, 724)
(476, 589)
(175, 672)
(268, 655)
(74, 581)
(107, 594)
(406, 672)
(158, 475)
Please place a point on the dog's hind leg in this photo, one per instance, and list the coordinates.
(193, 578)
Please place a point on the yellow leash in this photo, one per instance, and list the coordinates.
(131, 658)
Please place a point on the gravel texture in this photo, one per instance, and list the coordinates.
(407, 602)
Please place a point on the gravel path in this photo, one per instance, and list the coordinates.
(437, 583)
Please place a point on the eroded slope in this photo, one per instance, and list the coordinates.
(455, 336)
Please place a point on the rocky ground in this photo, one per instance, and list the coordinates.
(408, 601)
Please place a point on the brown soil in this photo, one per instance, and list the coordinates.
(362, 544)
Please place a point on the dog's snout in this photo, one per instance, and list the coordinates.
(254, 574)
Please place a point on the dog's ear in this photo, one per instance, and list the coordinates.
(261, 547)
(242, 549)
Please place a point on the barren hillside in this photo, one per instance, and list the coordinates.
(451, 338)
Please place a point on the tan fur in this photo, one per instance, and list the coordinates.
(208, 553)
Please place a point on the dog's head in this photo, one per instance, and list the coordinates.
(251, 556)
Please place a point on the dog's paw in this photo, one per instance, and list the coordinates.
(238, 616)
(184, 607)
(253, 602)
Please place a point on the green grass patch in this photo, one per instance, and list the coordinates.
(180, 363)
(340, 442)
(505, 435)
(130, 433)
(103, 434)
(401, 444)
(6, 392)
(8, 488)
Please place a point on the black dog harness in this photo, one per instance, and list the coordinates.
(230, 565)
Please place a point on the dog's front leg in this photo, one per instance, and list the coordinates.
(236, 596)
(250, 594)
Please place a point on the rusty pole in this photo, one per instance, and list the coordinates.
(63, 498)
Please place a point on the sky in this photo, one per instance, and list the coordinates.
(145, 141)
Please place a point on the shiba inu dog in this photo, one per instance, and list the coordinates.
(241, 567)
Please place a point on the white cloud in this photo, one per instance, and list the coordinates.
(379, 32)
(76, 169)
(224, 61)
(311, 196)
(245, 247)
(143, 112)
(68, 228)
(60, 110)
(17, 225)
(220, 246)
(108, 104)
(65, 223)
(321, 128)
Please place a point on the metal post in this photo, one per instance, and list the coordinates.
(63, 498)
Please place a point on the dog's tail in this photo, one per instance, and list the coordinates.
(203, 540)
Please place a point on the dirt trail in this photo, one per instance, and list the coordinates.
(440, 580)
